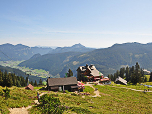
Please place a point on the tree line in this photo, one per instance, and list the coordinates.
(10, 79)
(133, 74)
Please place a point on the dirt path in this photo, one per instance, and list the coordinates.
(131, 89)
(96, 92)
(23, 110)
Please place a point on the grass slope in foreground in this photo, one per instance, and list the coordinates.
(19, 97)
(121, 100)
(113, 100)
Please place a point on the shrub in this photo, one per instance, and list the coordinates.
(6, 93)
(51, 105)
(1, 93)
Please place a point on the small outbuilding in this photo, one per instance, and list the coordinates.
(29, 87)
(61, 84)
(120, 80)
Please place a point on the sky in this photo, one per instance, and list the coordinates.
(93, 23)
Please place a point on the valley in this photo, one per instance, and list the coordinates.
(35, 72)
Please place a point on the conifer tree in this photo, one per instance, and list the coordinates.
(117, 73)
(138, 73)
(1, 78)
(14, 78)
(32, 83)
(9, 80)
(115, 76)
(70, 73)
(26, 80)
(18, 83)
(40, 82)
(23, 83)
(112, 77)
(5, 79)
(35, 83)
(136, 76)
(127, 74)
(122, 72)
(109, 76)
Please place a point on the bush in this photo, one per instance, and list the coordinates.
(51, 105)
(6, 93)
(1, 93)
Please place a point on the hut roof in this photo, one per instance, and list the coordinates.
(62, 81)
(121, 80)
(29, 87)
(92, 69)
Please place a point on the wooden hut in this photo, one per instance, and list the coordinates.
(120, 80)
(56, 84)
(29, 87)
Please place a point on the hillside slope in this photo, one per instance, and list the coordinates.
(54, 63)
(106, 60)
(18, 72)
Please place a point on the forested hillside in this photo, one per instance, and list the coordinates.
(18, 72)
(54, 63)
(106, 60)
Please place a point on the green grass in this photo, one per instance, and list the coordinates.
(40, 71)
(120, 100)
(138, 86)
(113, 100)
(89, 89)
(19, 97)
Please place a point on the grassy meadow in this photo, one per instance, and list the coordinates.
(19, 97)
(120, 100)
(113, 100)
(137, 87)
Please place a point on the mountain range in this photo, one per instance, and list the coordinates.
(23, 52)
(106, 60)
(74, 48)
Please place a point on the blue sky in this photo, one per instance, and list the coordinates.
(93, 23)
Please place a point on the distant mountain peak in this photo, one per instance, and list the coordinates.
(128, 43)
(78, 46)
(7, 44)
